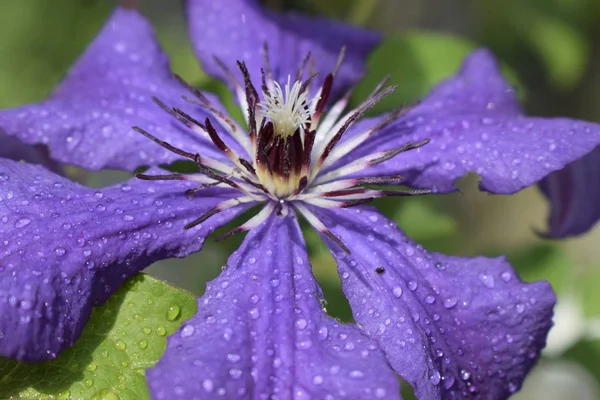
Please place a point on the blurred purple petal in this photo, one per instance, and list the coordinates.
(12, 148)
(65, 248)
(236, 30)
(87, 120)
(453, 327)
(474, 124)
(261, 332)
(574, 195)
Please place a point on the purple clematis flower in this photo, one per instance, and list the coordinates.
(453, 327)
(574, 197)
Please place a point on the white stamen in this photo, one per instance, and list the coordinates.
(288, 109)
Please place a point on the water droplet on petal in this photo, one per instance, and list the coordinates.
(520, 308)
(301, 323)
(208, 385)
(356, 374)
(435, 377)
(187, 331)
(450, 302)
(397, 292)
(21, 222)
(323, 333)
(487, 280)
(465, 375)
(235, 373)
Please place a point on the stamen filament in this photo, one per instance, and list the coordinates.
(225, 205)
(252, 222)
(314, 221)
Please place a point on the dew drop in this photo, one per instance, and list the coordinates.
(187, 331)
(92, 366)
(397, 292)
(254, 313)
(21, 222)
(450, 302)
(317, 380)
(435, 377)
(235, 373)
(429, 299)
(59, 251)
(304, 344)
(161, 330)
(323, 333)
(356, 374)
(487, 280)
(208, 385)
(412, 285)
(465, 375)
(448, 381)
(120, 345)
(142, 343)
(173, 312)
(520, 308)
(301, 323)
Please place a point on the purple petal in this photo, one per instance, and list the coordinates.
(237, 29)
(474, 124)
(453, 327)
(87, 120)
(261, 332)
(65, 248)
(574, 196)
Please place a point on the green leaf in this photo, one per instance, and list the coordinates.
(124, 337)
(421, 220)
(40, 40)
(564, 50)
(589, 282)
(415, 62)
(544, 262)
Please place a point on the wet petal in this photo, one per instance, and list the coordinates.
(236, 30)
(474, 125)
(574, 196)
(87, 120)
(453, 327)
(261, 332)
(65, 247)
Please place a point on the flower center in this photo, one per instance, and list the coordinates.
(289, 110)
(294, 149)
(284, 139)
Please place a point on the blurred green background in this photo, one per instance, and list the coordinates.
(551, 51)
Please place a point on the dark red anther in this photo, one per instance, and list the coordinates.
(325, 91)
